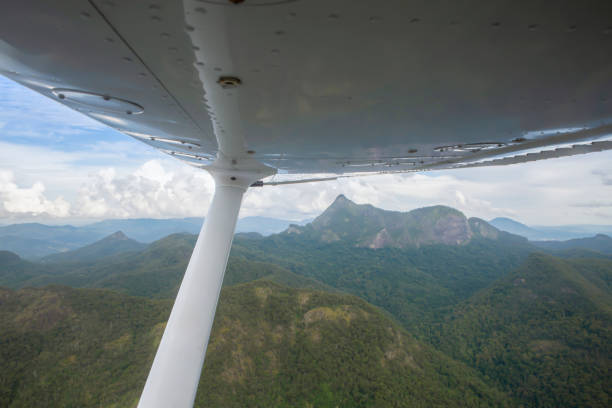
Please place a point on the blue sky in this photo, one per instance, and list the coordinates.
(58, 166)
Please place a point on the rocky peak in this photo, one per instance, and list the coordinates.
(367, 226)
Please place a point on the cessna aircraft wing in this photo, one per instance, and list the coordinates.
(249, 88)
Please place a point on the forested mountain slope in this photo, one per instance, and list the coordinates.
(270, 346)
(544, 332)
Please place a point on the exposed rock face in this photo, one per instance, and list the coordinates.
(483, 228)
(381, 240)
(371, 227)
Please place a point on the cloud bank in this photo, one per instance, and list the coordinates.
(163, 188)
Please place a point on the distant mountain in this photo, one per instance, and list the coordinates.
(270, 346)
(15, 272)
(263, 225)
(113, 244)
(370, 227)
(600, 243)
(155, 271)
(35, 240)
(515, 227)
(539, 233)
(146, 229)
(544, 332)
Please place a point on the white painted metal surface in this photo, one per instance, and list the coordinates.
(174, 376)
(339, 86)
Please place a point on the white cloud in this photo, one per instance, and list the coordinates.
(150, 191)
(27, 202)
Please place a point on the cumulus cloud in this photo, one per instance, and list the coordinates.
(27, 202)
(150, 191)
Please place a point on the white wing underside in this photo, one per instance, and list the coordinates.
(342, 87)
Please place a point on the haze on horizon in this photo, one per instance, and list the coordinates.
(59, 167)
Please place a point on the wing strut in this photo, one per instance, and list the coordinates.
(175, 374)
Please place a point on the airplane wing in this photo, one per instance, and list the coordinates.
(250, 88)
(319, 86)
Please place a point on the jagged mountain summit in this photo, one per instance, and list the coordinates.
(371, 227)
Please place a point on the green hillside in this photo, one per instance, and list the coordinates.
(544, 332)
(271, 346)
(416, 285)
(113, 244)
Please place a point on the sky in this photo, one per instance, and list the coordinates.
(60, 167)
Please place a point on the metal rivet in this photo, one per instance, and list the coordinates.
(251, 151)
(195, 48)
(189, 28)
(200, 10)
(228, 82)
(275, 52)
(128, 112)
(128, 59)
(106, 98)
(232, 178)
(532, 27)
(156, 18)
(200, 63)
(374, 19)
(412, 150)
(573, 27)
(333, 16)
(495, 24)
(110, 40)
(154, 7)
(61, 96)
(164, 35)
(85, 15)
(217, 69)
(279, 32)
(236, 1)
(415, 20)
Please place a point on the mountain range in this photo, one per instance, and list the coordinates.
(361, 307)
(556, 233)
(34, 241)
